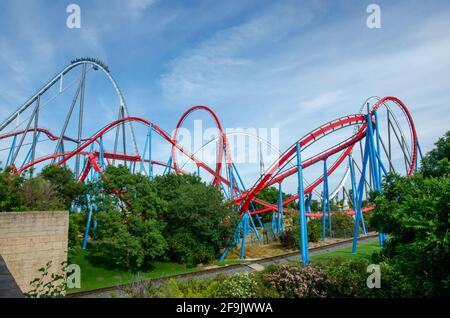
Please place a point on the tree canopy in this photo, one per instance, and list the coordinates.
(415, 212)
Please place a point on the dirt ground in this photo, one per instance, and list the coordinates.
(258, 250)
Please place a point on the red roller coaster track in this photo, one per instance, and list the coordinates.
(272, 176)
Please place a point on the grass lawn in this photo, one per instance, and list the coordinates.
(364, 251)
(93, 277)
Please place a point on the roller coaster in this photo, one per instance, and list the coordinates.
(365, 146)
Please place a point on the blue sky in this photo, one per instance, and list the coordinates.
(287, 64)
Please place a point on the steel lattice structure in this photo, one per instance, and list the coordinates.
(89, 156)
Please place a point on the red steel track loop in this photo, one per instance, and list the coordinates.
(273, 175)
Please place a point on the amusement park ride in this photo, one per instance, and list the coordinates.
(376, 145)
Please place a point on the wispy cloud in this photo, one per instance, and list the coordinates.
(292, 64)
(137, 7)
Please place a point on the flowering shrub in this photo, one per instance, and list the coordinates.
(293, 281)
(241, 285)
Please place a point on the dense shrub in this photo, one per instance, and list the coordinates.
(342, 225)
(131, 243)
(196, 229)
(293, 281)
(241, 285)
(334, 277)
(192, 288)
(414, 212)
(348, 278)
(77, 224)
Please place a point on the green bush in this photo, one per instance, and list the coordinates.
(192, 288)
(415, 212)
(342, 225)
(131, 243)
(348, 278)
(241, 285)
(77, 224)
(314, 230)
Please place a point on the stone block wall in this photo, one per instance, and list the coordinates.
(28, 240)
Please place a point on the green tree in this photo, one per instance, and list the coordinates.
(270, 195)
(197, 221)
(437, 162)
(64, 182)
(133, 244)
(131, 237)
(10, 185)
(38, 194)
(415, 213)
(136, 191)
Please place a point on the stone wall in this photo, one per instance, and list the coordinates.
(28, 240)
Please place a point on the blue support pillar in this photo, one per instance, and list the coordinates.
(88, 225)
(168, 167)
(359, 195)
(376, 164)
(308, 202)
(419, 153)
(245, 229)
(274, 222)
(102, 154)
(243, 187)
(28, 157)
(326, 208)
(354, 195)
(301, 204)
(11, 152)
(253, 227)
(371, 150)
(280, 210)
(230, 180)
(378, 151)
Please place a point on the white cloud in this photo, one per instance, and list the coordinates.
(269, 72)
(137, 7)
